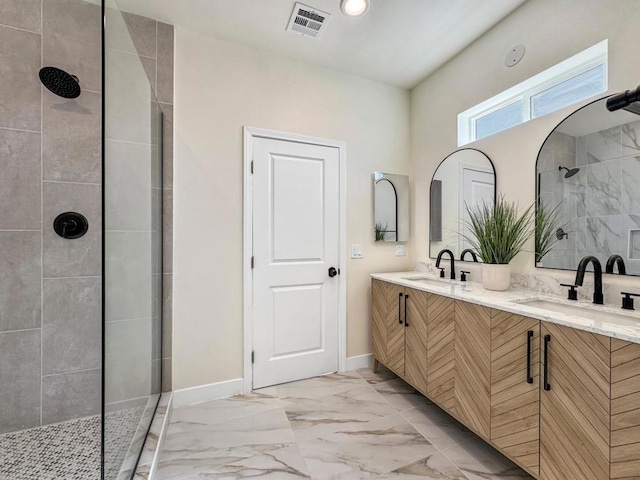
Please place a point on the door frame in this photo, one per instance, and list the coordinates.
(251, 133)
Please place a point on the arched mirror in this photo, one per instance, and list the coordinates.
(391, 207)
(588, 169)
(466, 177)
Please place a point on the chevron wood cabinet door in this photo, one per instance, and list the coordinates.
(625, 410)
(473, 367)
(379, 319)
(441, 350)
(515, 384)
(415, 355)
(575, 414)
(395, 303)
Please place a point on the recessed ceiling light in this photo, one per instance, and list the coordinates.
(353, 8)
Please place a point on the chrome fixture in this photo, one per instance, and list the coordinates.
(570, 171)
(629, 101)
(613, 261)
(598, 297)
(453, 263)
(473, 255)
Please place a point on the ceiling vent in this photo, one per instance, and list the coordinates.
(308, 21)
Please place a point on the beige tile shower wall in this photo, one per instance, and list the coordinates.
(551, 31)
(221, 87)
(154, 45)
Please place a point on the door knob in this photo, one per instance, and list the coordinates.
(333, 272)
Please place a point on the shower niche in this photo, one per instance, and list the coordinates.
(589, 168)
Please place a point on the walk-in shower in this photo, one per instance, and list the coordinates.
(81, 239)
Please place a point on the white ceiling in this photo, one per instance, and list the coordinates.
(399, 42)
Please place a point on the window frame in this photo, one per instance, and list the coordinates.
(592, 57)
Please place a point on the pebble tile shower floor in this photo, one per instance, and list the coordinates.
(68, 450)
(359, 425)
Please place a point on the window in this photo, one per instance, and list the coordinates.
(577, 78)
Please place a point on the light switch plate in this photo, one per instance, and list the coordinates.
(400, 251)
(356, 251)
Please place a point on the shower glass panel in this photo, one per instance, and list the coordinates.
(132, 249)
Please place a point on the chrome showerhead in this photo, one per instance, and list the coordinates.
(570, 172)
(60, 82)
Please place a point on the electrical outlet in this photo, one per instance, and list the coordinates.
(400, 251)
(356, 251)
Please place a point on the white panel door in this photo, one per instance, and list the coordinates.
(296, 234)
(478, 187)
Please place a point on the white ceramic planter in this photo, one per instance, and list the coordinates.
(496, 276)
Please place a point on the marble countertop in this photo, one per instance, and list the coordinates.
(606, 320)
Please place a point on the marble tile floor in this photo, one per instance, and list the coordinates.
(358, 425)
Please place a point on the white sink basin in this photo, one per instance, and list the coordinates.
(596, 313)
(442, 282)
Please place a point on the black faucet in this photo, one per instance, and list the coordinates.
(616, 260)
(473, 255)
(453, 262)
(598, 297)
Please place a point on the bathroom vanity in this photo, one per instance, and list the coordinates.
(553, 385)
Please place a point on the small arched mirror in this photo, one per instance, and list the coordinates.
(588, 169)
(391, 207)
(466, 177)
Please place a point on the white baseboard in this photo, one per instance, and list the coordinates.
(360, 361)
(206, 393)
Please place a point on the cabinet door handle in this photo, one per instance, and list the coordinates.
(547, 339)
(529, 337)
(406, 323)
(400, 309)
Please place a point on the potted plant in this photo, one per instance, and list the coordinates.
(381, 231)
(497, 232)
(547, 228)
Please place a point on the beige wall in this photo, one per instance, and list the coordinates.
(221, 87)
(551, 31)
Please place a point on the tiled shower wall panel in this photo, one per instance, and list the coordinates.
(50, 161)
(154, 44)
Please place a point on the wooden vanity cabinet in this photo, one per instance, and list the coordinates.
(562, 403)
(441, 351)
(472, 365)
(515, 387)
(575, 404)
(400, 331)
(625, 410)
(388, 324)
(415, 340)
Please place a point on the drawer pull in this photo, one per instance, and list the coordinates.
(406, 323)
(400, 309)
(529, 337)
(547, 339)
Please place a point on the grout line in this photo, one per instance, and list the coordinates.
(70, 183)
(71, 371)
(20, 330)
(24, 29)
(21, 129)
(71, 278)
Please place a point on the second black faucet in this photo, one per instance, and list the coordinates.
(453, 262)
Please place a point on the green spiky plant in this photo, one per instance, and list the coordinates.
(497, 232)
(381, 231)
(548, 220)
